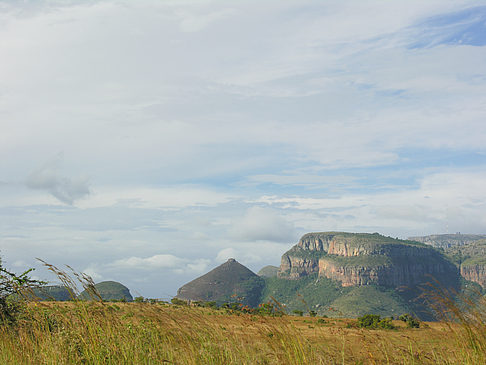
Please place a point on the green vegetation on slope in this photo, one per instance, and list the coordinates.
(360, 239)
(360, 261)
(361, 300)
(306, 293)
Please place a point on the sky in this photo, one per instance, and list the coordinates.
(147, 142)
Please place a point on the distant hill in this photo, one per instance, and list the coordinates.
(53, 292)
(225, 283)
(109, 290)
(471, 260)
(448, 240)
(268, 271)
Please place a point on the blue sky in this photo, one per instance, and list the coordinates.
(149, 141)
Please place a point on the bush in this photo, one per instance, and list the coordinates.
(270, 309)
(298, 312)
(178, 301)
(13, 290)
(312, 313)
(411, 321)
(374, 321)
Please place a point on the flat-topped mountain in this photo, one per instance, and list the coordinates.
(357, 259)
(225, 283)
(448, 240)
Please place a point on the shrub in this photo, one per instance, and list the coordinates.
(13, 290)
(374, 321)
(411, 321)
(312, 313)
(178, 301)
(298, 312)
(270, 309)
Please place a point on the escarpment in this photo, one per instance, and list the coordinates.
(357, 259)
(475, 272)
(470, 258)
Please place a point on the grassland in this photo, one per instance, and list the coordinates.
(144, 333)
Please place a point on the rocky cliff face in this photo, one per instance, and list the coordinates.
(295, 266)
(471, 260)
(476, 273)
(364, 259)
(395, 275)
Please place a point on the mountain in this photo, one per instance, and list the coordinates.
(53, 292)
(347, 275)
(228, 282)
(357, 259)
(268, 271)
(448, 240)
(343, 274)
(471, 260)
(108, 290)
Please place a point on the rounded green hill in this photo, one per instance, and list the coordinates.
(108, 290)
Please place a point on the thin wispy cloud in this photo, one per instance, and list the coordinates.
(48, 178)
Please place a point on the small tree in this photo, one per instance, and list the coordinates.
(14, 289)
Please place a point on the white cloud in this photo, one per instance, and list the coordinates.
(225, 254)
(196, 22)
(93, 273)
(162, 197)
(448, 201)
(262, 224)
(162, 261)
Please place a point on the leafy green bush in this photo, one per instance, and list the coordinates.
(298, 312)
(411, 321)
(374, 321)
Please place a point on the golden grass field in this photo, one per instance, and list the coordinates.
(144, 333)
